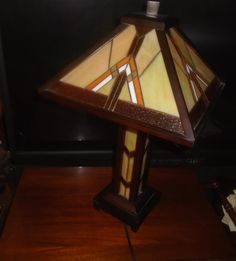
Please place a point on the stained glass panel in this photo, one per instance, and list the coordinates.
(125, 94)
(181, 43)
(89, 70)
(186, 88)
(130, 140)
(122, 44)
(106, 89)
(148, 50)
(156, 88)
(201, 67)
(125, 163)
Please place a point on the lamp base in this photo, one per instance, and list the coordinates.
(131, 213)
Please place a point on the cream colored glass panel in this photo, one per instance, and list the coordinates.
(106, 89)
(127, 193)
(156, 88)
(125, 95)
(148, 50)
(90, 69)
(175, 54)
(184, 83)
(122, 44)
(179, 41)
(130, 140)
(122, 190)
(130, 170)
(125, 163)
(201, 66)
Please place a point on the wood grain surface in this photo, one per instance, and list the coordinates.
(52, 218)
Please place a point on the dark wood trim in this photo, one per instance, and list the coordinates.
(148, 150)
(131, 213)
(201, 107)
(177, 91)
(161, 22)
(199, 111)
(115, 92)
(180, 130)
(150, 118)
(138, 159)
(131, 210)
(143, 119)
(117, 167)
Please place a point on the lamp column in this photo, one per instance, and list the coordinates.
(128, 197)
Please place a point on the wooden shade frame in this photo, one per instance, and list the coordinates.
(132, 207)
(180, 129)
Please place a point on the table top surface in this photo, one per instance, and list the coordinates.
(52, 218)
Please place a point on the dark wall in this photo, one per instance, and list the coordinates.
(41, 37)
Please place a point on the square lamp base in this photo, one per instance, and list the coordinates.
(131, 213)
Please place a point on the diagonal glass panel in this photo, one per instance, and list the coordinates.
(156, 88)
(204, 72)
(106, 89)
(121, 44)
(186, 88)
(147, 52)
(125, 94)
(181, 44)
(89, 70)
(175, 54)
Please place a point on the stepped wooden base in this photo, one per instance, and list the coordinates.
(131, 213)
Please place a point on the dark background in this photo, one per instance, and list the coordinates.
(40, 37)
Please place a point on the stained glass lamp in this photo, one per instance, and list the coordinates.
(146, 77)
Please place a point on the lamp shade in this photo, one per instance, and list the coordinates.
(145, 75)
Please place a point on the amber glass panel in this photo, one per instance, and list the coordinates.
(156, 88)
(121, 44)
(148, 50)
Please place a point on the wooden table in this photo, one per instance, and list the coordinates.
(52, 218)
